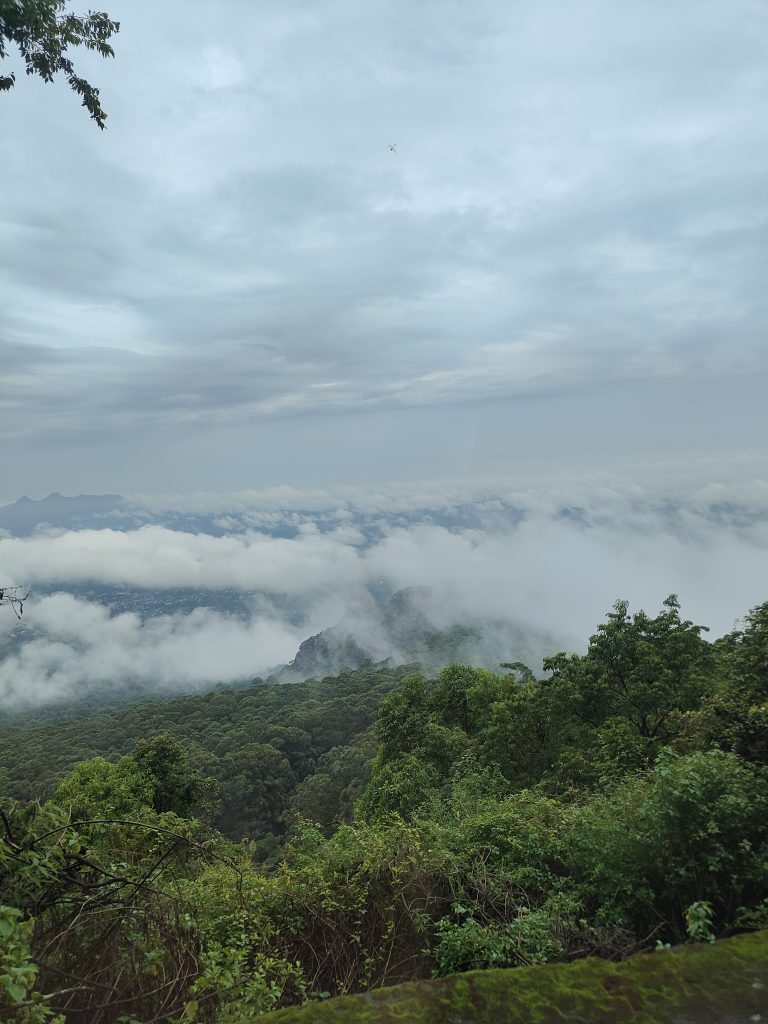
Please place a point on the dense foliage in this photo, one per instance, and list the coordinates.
(266, 747)
(390, 827)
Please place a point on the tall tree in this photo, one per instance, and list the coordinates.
(642, 669)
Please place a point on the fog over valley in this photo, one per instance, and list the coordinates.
(173, 595)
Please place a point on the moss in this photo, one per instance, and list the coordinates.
(724, 983)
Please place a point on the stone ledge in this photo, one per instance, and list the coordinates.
(723, 983)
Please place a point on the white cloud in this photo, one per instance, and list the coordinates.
(157, 557)
(531, 558)
(563, 577)
(80, 648)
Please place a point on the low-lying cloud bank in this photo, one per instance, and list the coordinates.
(554, 569)
(157, 557)
(80, 648)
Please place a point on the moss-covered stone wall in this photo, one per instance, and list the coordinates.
(724, 983)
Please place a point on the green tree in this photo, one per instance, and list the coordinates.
(295, 745)
(743, 656)
(398, 787)
(648, 671)
(451, 696)
(694, 829)
(84, 901)
(255, 784)
(328, 795)
(403, 718)
(525, 733)
(44, 33)
(98, 789)
(736, 716)
(177, 786)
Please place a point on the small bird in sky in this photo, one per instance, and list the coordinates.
(393, 147)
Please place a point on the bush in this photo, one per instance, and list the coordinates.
(530, 938)
(694, 830)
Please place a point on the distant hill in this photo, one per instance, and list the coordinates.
(26, 515)
(275, 514)
(402, 630)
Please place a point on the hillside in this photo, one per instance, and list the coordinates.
(403, 630)
(281, 733)
(257, 849)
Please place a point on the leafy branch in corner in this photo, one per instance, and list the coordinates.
(43, 33)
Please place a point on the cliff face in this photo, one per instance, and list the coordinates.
(724, 983)
(402, 631)
(327, 653)
(397, 630)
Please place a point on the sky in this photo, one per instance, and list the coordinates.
(342, 260)
(559, 269)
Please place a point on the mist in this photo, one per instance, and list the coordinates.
(82, 649)
(551, 570)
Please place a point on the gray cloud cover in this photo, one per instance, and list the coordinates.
(239, 284)
(558, 278)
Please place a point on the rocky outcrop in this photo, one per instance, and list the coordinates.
(723, 983)
(327, 653)
(402, 631)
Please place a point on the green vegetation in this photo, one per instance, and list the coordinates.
(381, 828)
(263, 746)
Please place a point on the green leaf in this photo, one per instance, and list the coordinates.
(16, 992)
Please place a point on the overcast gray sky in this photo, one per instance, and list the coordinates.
(238, 284)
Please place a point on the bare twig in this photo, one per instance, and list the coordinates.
(13, 596)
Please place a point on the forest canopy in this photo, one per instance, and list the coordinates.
(212, 857)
